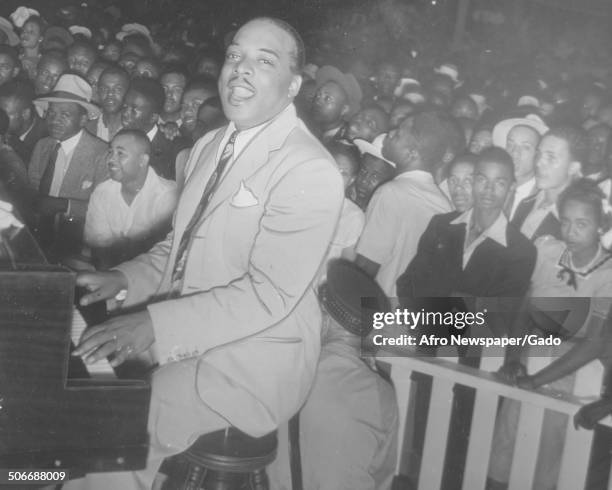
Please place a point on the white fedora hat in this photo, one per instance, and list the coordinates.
(374, 148)
(71, 88)
(502, 128)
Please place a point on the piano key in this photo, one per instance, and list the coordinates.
(100, 368)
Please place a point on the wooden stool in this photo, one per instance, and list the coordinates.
(224, 460)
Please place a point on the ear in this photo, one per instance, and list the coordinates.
(26, 113)
(575, 170)
(144, 160)
(84, 119)
(154, 118)
(346, 109)
(294, 86)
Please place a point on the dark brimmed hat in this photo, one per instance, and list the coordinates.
(71, 88)
(347, 81)
(350, 296)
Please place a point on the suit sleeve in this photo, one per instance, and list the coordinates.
(518, 273)
(299, 219)
(34, 170)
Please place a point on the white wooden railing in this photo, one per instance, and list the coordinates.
(446, 373)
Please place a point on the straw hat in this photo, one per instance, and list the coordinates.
(71, 88)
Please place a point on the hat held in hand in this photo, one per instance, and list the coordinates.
(351, 296)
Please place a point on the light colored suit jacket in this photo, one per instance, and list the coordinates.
(247, 306)
(86, 170)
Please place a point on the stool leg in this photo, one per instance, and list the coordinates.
(259, 480)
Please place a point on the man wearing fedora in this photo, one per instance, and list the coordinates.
(520, 137)
(67, 165)
(337, 98)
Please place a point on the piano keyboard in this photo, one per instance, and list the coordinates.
(99, 369)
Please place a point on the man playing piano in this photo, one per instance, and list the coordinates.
(230, 313)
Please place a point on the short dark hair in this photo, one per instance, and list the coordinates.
(585, 191)
(202, 82)
(11, 52)
(20, 90)
(298, 57)
(576, 140)
(497, 155)
(54, 55)
(176, 68)
(348, 150)
(38, 20)
(140, 137)
(470, 158)
(151, 90)
(83, 44)
(115, 69)
(435, 134)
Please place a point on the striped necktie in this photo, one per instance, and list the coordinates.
(211, 185)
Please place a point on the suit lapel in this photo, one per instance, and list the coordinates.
(253, 157)
(71, 182)
(457, 240)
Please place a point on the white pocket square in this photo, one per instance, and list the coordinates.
(244, 198)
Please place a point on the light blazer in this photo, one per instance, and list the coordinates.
(86, 170)
(248, 309)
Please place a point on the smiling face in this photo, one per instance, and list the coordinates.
(112, 88)
(257, 81)
(125, 159)
(48, 72)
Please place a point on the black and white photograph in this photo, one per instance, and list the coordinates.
(306, 244)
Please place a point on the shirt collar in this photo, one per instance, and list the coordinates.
(152, 133)
(70, 144)
(420, 175)
(526, 187)
(496, 232)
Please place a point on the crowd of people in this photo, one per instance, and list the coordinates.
(452, 185)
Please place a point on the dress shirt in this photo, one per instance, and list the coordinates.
(496, 232)
(110, 219)
(396, 217)
(64, 156)
(521, 192)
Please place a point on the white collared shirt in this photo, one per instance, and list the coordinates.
(537, 215)
(496, 232)
(64, 157)
(110, 219)
(152, 132)
(522, 191)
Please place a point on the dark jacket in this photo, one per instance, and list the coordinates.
(493, 270)
(25, 148)
(163, 154)
(550, 225)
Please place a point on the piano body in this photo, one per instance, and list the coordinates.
(52, 413)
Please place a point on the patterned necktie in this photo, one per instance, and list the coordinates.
(211, 185)
(47, 178)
